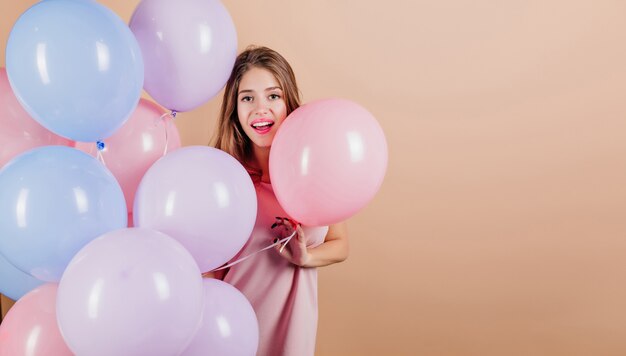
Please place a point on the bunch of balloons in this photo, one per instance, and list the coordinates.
(103, 244)
(85, 282)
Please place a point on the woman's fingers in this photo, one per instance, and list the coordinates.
(284, 250)
(295, 247)
(279, 221)
(300, 234)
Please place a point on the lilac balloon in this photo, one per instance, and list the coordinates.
(202, 197)
(189, 48)
(130, 292)
(229, 324)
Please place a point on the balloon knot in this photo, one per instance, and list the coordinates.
(100, 145)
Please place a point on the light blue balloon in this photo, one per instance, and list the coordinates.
(13, 282)
(53, 201)
(75, 67)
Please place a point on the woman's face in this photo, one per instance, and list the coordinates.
(260, 106)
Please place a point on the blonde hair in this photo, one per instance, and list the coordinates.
(229, 136)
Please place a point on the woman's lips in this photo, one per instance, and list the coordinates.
(262, 126)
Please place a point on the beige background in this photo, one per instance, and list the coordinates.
(500, 227)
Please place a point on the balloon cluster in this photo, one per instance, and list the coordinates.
(87, 284)
(106, 259)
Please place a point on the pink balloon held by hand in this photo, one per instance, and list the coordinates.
(327, 161)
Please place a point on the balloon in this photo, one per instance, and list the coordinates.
(130, 292)
(53, 200)
(202, 197)
(75, 67)
(229, 324)
(13, 282)
(327, 161)
(30, 328)
(136, 146)
(189, 49)
(18, 131)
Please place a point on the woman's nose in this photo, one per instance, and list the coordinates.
(260, 108)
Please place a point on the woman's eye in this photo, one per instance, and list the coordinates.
(246, 98)
(274, 96)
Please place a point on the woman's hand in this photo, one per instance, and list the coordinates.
(296, 250)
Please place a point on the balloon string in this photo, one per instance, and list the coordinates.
(164, 118)
(285, 240)
(288, 238)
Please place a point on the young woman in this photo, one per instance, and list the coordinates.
(280, 284)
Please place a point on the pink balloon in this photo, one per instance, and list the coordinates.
(18, 131)
(134, 147)
(189, 48)
(30, 327)
(327, 161)
(130, 292)
(229, 324)
(202, 197)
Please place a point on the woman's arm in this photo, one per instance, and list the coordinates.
(334, 249)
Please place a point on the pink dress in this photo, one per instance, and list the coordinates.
(283, 295)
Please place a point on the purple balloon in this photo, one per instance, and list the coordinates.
(189, 48)
(229, 324)
(202, 197)
(130, 292)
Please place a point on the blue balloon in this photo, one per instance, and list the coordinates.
(75, 67)
(53, 201)
(13, 282)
